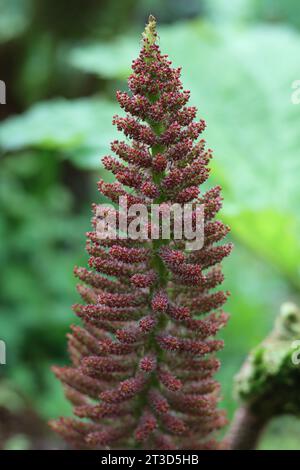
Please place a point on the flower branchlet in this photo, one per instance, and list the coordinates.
(143, 361)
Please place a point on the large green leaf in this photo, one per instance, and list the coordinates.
(245, 96)
(107, 59)
(80, 128)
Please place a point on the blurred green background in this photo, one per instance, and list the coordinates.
(62, 62)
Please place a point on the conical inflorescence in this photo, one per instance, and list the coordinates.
(143, 360)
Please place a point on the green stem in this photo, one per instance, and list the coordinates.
(156, 262)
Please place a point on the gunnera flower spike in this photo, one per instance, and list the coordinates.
(143, 360)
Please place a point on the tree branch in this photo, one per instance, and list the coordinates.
(245, 430)
(269, 381)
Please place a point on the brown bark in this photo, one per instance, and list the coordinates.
(245, 430)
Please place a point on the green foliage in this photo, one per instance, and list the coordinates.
(277, 11)
(256, 291)
(78, 129)
(17, 442)
(245, 11)
(14, 19)
(100, 58)
(240, 78)
(255, 161)
(41, 238)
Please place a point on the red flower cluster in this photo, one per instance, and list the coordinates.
(143, 362)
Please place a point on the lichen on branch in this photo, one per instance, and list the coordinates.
(268, 383)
